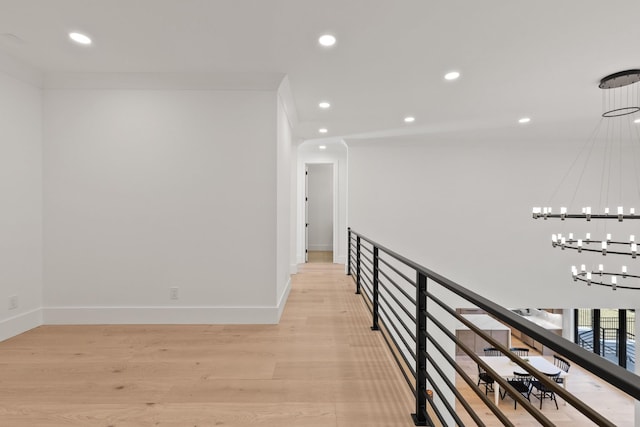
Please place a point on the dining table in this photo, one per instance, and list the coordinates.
(505, 367)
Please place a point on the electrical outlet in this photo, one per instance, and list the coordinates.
(173, 293)
(13, 302)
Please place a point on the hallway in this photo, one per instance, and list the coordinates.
(321, 366)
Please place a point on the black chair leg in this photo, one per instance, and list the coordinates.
(541, 397)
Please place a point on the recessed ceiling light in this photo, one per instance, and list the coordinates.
(636, 121)
(324, 105)
(327, 40)
(409, 119)
(80, 38)
(322, 147)
(452, 75)
(524, 120)
(323, 130)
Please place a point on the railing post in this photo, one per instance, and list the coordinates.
(357, 264)
(595, 322)
(375, 289)
(622, 337)
(420, 417)
(348, 251)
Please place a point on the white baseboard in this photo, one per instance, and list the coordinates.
(321, 247)
(282, 301)
(159, 315)
(20, 323)
(293, 269)
(142, 315)
(340, 260)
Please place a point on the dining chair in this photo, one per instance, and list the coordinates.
(562, 364)
(522, 383)
(519, 351)
(545, 392)
(484, 378)
(492, 351)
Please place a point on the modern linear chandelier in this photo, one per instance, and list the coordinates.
(620, 102)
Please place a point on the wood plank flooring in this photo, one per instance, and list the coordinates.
(321, 366)
(604, 398)
(320, 256)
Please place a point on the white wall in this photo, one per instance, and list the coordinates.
(284, 196)
(335, 154)
(20, 204)
(463, 209)
(151, 189)
(320, 207)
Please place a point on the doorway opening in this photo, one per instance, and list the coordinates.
(319, 212)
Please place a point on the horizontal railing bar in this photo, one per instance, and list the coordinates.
(391, 253)
(497, 378)
(398, 272)
(364, 285)
(568, 397)
(485, 399)
(411, 299)
(365, 282)
(454, 389)
(364, 257)
(366, 248)
(445, 402)
(364, 272)
(384, 335)
(406, 344)
(402, 306)
(609, 372)
(395, 315)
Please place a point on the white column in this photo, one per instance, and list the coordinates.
(568, 323)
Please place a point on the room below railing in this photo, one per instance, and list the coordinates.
(417, 312)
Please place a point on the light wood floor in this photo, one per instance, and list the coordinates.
(321, 366)
(320, 256)
(604, 398)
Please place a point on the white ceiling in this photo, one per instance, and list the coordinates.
(541, 58)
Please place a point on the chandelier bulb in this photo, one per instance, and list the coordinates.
(602, 241)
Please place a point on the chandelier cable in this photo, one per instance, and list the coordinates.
(621, 98)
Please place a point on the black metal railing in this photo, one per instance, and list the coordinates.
(614, 335)
(415, 309)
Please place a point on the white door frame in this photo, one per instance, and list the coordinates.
(302, 207)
